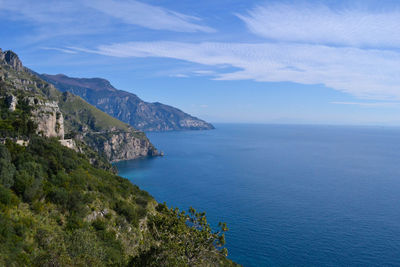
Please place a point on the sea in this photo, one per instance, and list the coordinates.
(292, 195)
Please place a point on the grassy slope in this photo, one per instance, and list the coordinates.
(79, 110)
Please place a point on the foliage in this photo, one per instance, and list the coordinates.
(183, 240)
(17, 123)
(56, 209)
(63, 208)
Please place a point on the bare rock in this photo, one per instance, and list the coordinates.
(11, 101)
(48, 117)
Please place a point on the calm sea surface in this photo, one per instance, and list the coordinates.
(291, 195)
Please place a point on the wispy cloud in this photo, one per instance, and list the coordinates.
(320, 24)
(67, 51)
(179, 75)
(361, 72)
(204, 73)
(369, 104)
(152, 17)
(53, 18)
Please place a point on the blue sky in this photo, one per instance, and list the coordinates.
(334, 62)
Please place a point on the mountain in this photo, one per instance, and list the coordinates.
(65, 115)
(60, 207)
(126, 106)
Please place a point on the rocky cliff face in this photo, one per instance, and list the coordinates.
(59, 115)
(48, 117)
(120, 146)
(127, 107)
(114, 139)
(11, 59)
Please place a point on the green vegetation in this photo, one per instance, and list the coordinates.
(18, 123)
(79, 113)
(59, 207)
(56, 209)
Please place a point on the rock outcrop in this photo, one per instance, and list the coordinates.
(12, 102)
(126, 106)
(48, 117)
(70, 143)
(11, 59)
(59, 114)
(118, 146)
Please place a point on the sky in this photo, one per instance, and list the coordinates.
(252, 61)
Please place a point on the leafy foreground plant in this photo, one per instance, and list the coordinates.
(183, 239)
(56, 209)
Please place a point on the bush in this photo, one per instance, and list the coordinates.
(7, 197)
(128, 211)
(99, 225)
(7, 171)
(58, 196)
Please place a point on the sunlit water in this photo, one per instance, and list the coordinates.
(291, 195)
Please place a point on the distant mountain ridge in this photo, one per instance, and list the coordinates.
(126, 106)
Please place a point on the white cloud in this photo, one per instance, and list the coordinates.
(179, 75)
(368, 104)
(40, 11)
(320, 24)
(94, 16)
(152, 17)
(67, 51)
(204, 72)
(361, 72)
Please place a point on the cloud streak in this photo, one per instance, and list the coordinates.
(369, 104)
(319, 24)
(94, 16)
(148, 16)
(351, 49)
(361, 72)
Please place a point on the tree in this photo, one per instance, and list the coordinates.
(184, 240)
(7, 169)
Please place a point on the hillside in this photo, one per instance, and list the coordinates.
(56, 209)
(71, 115)
(126, 106)
(59, 208)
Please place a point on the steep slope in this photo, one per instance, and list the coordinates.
(127, 107)
(58, 114)
(57, 208)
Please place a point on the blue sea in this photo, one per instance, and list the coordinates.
(292, 195)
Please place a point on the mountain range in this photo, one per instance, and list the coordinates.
(126, 106)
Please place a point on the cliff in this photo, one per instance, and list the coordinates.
(48, 117)
(66, 207)
(64, 115)
(126, 106)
